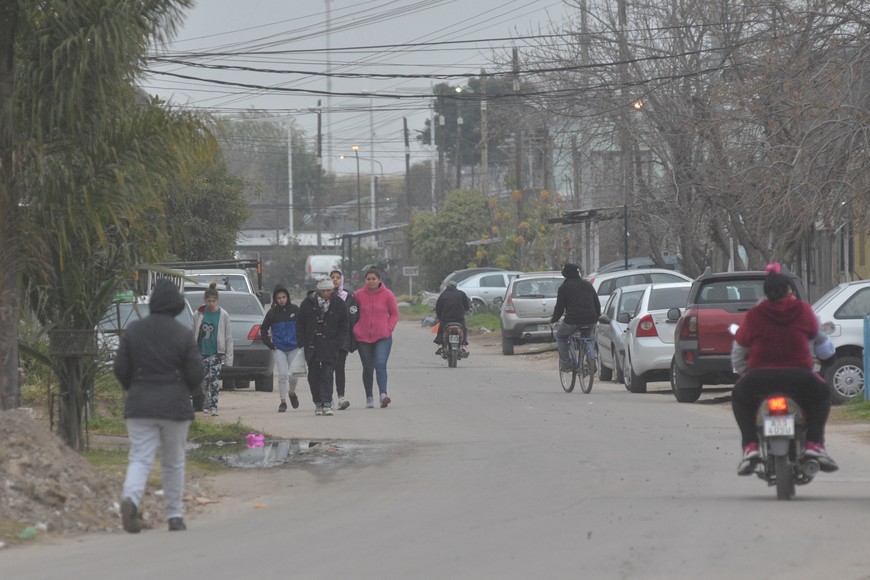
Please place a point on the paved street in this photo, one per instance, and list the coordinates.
(492, 471)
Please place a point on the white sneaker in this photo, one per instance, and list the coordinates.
(318, 410)
(327, 411)
(343, 404)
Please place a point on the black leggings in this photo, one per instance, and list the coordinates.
(802, 385)
(339, 373)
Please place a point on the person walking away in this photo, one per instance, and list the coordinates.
(159, 368)
(578, 301)
(772, 353)
(378, 316)
(322, 330)
(451, 306)
(214, 336)
(350, 344)
(278, 332)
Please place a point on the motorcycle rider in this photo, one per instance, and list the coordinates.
(773, 353)
(578, 300)
(451, 306)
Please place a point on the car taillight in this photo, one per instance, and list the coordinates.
(689, 329)
(591, 279)
(777, 406)
(509, 306)
(255, 333)
(646, 327)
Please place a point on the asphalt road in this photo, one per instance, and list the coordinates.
(490, 470)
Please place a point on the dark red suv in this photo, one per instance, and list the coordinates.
(702, 341)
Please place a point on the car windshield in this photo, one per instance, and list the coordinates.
(240, 303)
(731, 291)
(667, 298)
(234, 282)
(120, 314)
(537, 288)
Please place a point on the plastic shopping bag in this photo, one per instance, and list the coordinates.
(298, 368)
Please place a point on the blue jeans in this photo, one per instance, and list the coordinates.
(562, 335)
(373, 356)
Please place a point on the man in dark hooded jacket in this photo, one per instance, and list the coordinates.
(159, 368)
(579, 302)
(451, 306)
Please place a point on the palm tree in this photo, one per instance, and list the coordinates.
(84, 162)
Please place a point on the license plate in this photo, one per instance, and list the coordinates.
(454, 339)
(543, 328)
(779, 426)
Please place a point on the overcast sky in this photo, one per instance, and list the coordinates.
(362, 37)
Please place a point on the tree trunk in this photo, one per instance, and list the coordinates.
(76, 381)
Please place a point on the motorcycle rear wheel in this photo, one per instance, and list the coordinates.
(784, 477)
(452, 357)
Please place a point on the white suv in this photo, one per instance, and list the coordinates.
(841, 316)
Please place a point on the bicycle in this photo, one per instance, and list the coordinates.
(583, 365)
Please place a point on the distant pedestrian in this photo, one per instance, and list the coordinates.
(214, 336)
(279, 334)
(159, 368)
(322, 330)
(350, 344)
(378, 316)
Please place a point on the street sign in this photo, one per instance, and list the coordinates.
(410, 271)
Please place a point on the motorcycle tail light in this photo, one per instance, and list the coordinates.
(255, 333)
(509, 306)
(777, 406)
(646, 327)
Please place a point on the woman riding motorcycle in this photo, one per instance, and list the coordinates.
(773, 352)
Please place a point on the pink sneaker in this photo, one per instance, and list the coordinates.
(818, 452)
(385, 400)
(751, 455)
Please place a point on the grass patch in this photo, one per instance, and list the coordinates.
(415, 311)
(857, 410)
(487, 319)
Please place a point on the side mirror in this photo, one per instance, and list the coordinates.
(673, 314)
(604, 319)
(623, 318)
(498, 300)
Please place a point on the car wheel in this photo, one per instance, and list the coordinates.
(686, 388)
(265, 384)
(845, 378)
(634, 383)
(507, 345)
(477, 305)
(605, 373)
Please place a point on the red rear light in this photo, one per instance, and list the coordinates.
(509, 306)
(255, 333)
(777, 406)
(646, 327)
(689, 356)
(592, 279)
(689, 329)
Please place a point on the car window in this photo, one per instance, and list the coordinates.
(629, 302)
(631, 280)
(236, 283)
(667, 298)
(731, 291)
(235, 303)
(537, 288)
(120, 314)
(856, 306)
(610, 307)
(657, 278)
(607, 287)
(493, 281)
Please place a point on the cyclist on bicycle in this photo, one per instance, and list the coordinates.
(578, 301)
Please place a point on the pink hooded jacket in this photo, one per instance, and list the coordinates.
(378, 314)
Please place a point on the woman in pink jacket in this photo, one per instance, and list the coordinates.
(378, 315)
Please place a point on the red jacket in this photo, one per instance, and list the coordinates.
(378, 314)
(777, 334)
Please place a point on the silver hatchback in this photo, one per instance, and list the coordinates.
(526, 309)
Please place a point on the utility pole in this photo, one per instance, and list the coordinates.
(458, 156)
(484, 141)
(407, 169)
(289, 179)
(319, 171)
(624, 138)
(518, 138)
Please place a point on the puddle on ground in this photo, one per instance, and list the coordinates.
(280, 452)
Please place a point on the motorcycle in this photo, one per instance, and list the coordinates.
(782, 439)
(451, 340)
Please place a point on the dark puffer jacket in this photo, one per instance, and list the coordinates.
(158, 362)
(322, 333)
(578, 300)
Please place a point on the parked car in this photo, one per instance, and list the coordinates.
(252, 360)
(649, 335)
(608, 331)
(487, 289)
(702, 346)
(460, 275)
(118, 316)
(841, 314)
(672, 262)
(525, 312)
(605, 284)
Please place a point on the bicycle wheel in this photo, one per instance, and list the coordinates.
(568, 378)
(587, 368)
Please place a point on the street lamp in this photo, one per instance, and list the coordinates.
(355, 149)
